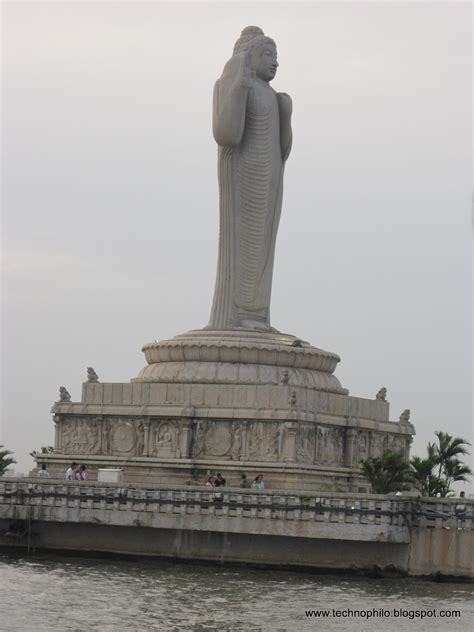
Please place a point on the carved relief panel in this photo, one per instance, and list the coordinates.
(222, 439)
(237, 451)
(199, 430)
(306, 443)
(379, 443)
(330, 446)
(264, 441)
(363, 446)
(79, 436)
(165, 439)
(122, 437)
(218, 439)
(397, 443)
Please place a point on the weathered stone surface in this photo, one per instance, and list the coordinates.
(344, 531)
(252, 127)
(237, 395)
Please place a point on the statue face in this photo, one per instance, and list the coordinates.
(264, 61)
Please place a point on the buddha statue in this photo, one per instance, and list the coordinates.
(252, 127)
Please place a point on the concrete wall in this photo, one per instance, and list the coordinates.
(446, 551)
(217, 546)
(338, 531)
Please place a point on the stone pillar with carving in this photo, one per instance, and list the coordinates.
(146, 436)
(350, 447)
(57, 432)
(100, 434)
(185, 432)
(289, 442)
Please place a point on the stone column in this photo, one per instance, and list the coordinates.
(146, 437)
(57, 433)
(185, 437)
(100, 434)
(289, 442)
(245, 446)
(350, 447)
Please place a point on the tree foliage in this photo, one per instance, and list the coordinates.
(388, 473)
(441, 468)
(5, 459)
(432, 475)
(450, 467)
(435, 474)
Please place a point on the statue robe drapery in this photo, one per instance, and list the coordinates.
(246, 125)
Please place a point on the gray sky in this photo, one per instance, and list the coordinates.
(110, 200)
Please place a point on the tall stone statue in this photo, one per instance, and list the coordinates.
(252, 127)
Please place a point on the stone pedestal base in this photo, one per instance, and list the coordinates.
(235, 402)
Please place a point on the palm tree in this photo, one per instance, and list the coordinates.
(5, 460)
(388, 473)
(445, 457)
(456, 471)
(423, 475)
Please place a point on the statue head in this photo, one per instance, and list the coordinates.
(261, 49)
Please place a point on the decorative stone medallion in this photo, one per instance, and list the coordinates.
(123, 438)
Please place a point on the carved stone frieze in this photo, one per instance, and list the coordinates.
(397, 443)
(306, 443)
(264, 441)
(78, 436)
(330, 446)
(237, 449)
(363, 446)
(218, 439)
(199, 428)
(123, 438)
(379, 443)
(232, 440)
(166, 439)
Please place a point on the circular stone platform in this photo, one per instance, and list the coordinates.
(239, 357)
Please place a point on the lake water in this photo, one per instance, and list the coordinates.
(48, 593)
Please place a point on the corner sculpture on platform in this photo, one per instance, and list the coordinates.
(237, 396)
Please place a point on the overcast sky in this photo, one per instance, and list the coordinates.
(110, 199)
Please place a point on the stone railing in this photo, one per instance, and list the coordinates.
(321, 508)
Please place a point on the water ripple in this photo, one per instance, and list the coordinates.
(52, 593)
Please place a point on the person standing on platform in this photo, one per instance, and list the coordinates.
(244, 482)
(220, 481)
(70, 472)
(43, 473)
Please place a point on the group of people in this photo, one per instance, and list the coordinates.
(77, 472)
(216, 481)
(219, 481)
(257, 482)
(74, 472)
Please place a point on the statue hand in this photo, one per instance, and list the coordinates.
(247, 75)
(285, 104)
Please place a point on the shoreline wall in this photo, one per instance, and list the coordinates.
(357, 532)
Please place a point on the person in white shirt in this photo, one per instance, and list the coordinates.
(43, 473)
(70, 472)
(258, 482)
